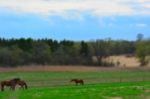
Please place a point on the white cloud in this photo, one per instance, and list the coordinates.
(75, 8)
(143, 1)
(142, 25)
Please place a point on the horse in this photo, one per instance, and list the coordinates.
(23, 84)
(80, 81)
(9, 83)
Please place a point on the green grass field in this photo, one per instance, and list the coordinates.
(98, 85)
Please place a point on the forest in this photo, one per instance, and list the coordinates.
(28, 51)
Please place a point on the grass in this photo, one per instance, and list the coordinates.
(98, 85)
(89, 91)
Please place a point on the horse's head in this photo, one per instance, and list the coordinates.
(23, 84)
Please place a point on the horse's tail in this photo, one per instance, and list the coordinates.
(2, 86)
(26, 86)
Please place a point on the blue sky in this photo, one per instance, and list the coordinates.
(75, 19)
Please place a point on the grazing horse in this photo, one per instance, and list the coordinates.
(80, 81)
(10, 83)
(23, 84)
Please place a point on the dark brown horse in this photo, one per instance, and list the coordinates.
(9, 83)
(77, 81)
(23, 84)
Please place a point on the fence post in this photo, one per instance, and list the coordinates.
(120, 79)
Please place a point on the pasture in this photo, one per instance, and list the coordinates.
(100, 84)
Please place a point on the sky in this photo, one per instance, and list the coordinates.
(74, 19)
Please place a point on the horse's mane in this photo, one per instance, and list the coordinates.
(15, 79)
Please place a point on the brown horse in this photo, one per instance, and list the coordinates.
(23, 84)
(80, 81)
(9, 83)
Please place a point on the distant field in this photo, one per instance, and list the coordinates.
(125, 61)
(100, 83)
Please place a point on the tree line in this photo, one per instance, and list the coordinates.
(27, 51)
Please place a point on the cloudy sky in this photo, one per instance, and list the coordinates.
(74, 19)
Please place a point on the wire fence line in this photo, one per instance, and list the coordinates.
(62, 82)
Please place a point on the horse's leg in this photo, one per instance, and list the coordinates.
(82, 83)
(13, 86)
(22, 86)
(26, 86)
(10, 88)
(2, 87)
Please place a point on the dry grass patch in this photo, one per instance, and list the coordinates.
(124, 61)
(50, 68)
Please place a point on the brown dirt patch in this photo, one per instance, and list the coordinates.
(70, 68)
(113, 98)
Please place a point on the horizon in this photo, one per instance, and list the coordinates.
(75, 20)
(59, 40)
